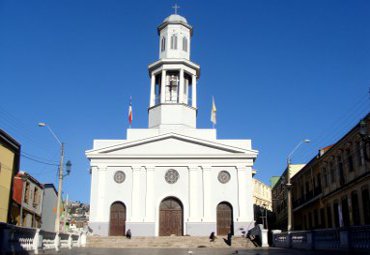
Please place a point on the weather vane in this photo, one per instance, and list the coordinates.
(175, 7)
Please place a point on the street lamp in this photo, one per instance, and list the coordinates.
(289, 184)
(263, 212)
(60, 174)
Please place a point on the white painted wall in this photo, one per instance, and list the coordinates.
(145, 187)
(180, 31)
(172, 115)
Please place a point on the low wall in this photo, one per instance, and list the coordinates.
(351, 238)
(14, 239)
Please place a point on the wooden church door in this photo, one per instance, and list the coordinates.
(117, 222)
(171, 218)
(224, 218)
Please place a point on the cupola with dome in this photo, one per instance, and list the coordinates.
(174, 35)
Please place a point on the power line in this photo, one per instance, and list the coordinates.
(338, 128)
(38, 161)
(23, 131)
(39, 158)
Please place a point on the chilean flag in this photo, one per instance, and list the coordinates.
(130, 112)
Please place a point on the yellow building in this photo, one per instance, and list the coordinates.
(333, 189)
(262, 194)
(280, 197)
(262, 203)
(9, 166)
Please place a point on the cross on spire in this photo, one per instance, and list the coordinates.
(175, 7)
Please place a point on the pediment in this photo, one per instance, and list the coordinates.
(170, 144)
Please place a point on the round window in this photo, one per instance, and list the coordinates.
(223, 176)
(171, 176)
(119, 177)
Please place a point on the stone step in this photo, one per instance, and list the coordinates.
(166, 242)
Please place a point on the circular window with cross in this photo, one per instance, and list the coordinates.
(171, 176)
(224, 177)
(119, 177)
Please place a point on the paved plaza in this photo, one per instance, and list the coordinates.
(199, 251)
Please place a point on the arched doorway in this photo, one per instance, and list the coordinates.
(224, 219)
(117, 222)
(170, 217)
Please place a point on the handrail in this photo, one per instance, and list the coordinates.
(15, 239)
(349, 238)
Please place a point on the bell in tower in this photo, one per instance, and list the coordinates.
(172, 88)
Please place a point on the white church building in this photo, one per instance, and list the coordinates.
(172, 178)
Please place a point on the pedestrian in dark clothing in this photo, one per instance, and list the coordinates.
(212, 237)
(128, 234)
(228, 240)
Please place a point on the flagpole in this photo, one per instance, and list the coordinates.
(130, 113)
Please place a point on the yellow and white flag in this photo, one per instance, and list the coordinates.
(213, 112)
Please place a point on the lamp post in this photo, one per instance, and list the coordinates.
(266, 216)
(263, 211)
(289, 184)
(60, 174)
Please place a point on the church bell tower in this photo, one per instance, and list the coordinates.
(173, 87)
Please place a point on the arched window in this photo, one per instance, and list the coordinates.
(185, 44)
(163, 44)
(174, 42)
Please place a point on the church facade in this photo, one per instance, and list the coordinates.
(172, 178)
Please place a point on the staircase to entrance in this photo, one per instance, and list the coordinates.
(166, 242)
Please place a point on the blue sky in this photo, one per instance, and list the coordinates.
(280, 71)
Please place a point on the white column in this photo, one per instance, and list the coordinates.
(186, 93)
(163, 87)
(181, 87)
(194, 91)
(152, 91)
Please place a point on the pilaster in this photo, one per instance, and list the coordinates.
(207, 192)
(136, 214)
(360, 206)
(245, 191)
(149, 198)
(195, 193)
(93, 192)
(102, 173)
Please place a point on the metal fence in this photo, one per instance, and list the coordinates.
(351, 238)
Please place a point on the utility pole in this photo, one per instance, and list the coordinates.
(60, 175)
(289, 185)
